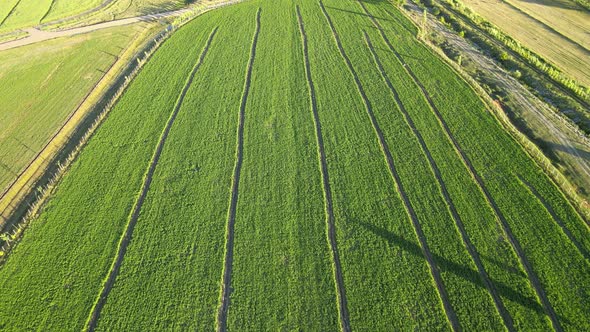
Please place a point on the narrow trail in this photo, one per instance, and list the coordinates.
(506, 318)
(330, 220)
(125, 240)
(489, 199)
(35, 35)
(449, 311)
(555, 217)
(231, 214)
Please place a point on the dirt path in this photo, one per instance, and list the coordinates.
(124, 242)
(231, 214)
(449, 311)
(331, 228)
(35, 35)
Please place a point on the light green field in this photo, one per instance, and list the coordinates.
(6, 8)
(327, 170)
(27, 13)
(64, 8)
(41, 84)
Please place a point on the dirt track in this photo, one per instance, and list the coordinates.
(36, 35)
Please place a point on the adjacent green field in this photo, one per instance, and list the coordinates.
(26, 13)
(119, 9)
(291, 125)
(41, 84)
(64, 8)
(561, 38)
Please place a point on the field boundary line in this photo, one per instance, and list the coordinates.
(536, 284)
(507, 319)
(554, 216)
(126, 236)
(449, 311)
(224, 295)
(328, 202)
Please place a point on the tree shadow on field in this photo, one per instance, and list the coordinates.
(459, 270)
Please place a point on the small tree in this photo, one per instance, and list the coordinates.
(422, 32)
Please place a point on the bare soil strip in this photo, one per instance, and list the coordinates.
(124, 242)
(556, 218)
(451, 316)
(507, 319)
(231, 214)
(491, 202)
(331, 229)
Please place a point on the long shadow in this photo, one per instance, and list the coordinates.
(535, 282)
(457, 269)
(504, 266)
(578, 152)
(356, 13)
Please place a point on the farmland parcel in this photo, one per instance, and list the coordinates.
(300, 165)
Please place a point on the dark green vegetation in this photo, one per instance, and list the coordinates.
(324, 171)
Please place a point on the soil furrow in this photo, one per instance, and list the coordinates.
(124, 242)
(331, 230)
(555, 217)
(451, 315)
(491, 202)
(10, 12)
(507, 319)
(231, 215)
(48, 11)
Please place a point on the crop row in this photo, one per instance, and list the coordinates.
(500, 162)
(350, 175)
(53, 276)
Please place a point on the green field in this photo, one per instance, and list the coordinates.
(41, 84)
(19, 14)
(300, 165)
(24, 13)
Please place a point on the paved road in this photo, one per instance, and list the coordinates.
(36, 35)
